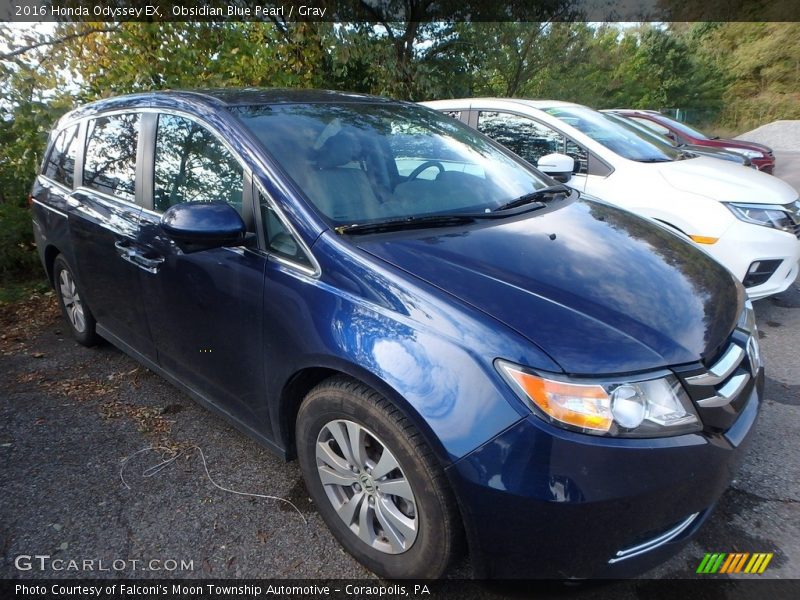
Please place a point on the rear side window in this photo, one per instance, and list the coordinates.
(193, 165)
(60, 164)
(110, 160)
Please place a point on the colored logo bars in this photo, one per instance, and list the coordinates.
(737, 562)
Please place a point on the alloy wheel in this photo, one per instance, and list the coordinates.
(366, 486)
(71, 300)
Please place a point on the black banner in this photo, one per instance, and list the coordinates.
(199, 589)
(399, 10)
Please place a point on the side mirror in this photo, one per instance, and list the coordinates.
(558, 166)
(196, 226)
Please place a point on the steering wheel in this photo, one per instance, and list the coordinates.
(424, 166)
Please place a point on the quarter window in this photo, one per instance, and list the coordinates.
(280, 240)
(110, 161)
(523, 136)
(193, 165)
(60, 165)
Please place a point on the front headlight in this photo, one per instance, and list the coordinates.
(747, 153)
(775, 216)
(628, 408)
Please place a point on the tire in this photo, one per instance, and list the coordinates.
(378, 534)
(75, 310)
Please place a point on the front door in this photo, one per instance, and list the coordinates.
(205, 308)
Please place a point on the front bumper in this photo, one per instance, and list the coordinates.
(744, 243)
(767, 165)
(542, 502)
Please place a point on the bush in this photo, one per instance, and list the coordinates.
(18, 259)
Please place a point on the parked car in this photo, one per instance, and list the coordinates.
(747, 220)
(761, 156)
(662, 138)
(451, 343)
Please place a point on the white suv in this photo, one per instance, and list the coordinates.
(749, 221)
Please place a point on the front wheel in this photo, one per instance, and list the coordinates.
(73, 306)
(375, 482)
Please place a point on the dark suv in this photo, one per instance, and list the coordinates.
(452, 344)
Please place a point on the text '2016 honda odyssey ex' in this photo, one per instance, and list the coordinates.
(455, 347)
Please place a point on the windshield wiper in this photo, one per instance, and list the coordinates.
(409, 223)
(532, 196)
(653, 160)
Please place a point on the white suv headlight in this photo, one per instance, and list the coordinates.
(767, 215)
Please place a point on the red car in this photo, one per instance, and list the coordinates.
(761, 156)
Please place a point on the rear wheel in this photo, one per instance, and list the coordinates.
(73, 307)
(375, 482)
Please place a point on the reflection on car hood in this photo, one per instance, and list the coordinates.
(726, 181)
(744, 145)
(599, 289)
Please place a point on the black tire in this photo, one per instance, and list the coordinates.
(438, 527)
(83, 328)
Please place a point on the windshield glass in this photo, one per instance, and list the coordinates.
(369, 162)
(651, 134)
(628, 142)
(683, 128)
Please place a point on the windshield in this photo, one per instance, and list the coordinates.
(370, 162)
(683, 128)
(628, 142)
(652, 135)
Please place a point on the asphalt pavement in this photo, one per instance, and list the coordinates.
(71, 418)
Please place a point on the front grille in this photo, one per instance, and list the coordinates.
(721, 390)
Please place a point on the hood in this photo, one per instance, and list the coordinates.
(744, 145)
(726, 181)
(716, 153)
(597, 288)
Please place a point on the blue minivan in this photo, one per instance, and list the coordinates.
(461, 352)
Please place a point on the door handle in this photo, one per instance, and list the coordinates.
(124, 248)
(148, 261)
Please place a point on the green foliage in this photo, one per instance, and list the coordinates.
(762, 64)
(745, 74)
(18, 258)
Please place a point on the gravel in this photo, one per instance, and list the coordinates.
(778, 135)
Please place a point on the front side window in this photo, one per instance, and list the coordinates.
(523, 136)
(580, 155)
(374, 161)
(193, 165)
(110, 158)
(60, 164)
